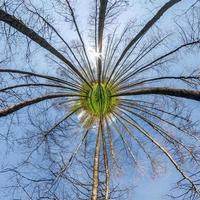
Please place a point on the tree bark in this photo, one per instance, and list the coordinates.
(35, 85)
(96, 166)
(182, 93)
(29, 102)
(102, 15)
(105, 155)
(180, 78)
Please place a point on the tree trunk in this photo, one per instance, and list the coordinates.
(22, 28)
(105, 155)
(96, 166)
(145, 29)
(102, 15)
(182, 93)
(29, 102)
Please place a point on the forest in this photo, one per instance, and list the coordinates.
(99, 99)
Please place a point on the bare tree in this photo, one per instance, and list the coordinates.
(105, 101)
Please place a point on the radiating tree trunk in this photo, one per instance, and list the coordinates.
(102, 15)
(183, 93)
(16, 107)
(51, 78)
(144, 30)
(22, 28)
(96, 166)
(105, 155)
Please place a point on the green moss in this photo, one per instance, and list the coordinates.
(97, 100)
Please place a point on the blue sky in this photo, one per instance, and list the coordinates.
(146, 187)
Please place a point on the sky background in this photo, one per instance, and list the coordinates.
(146, 187)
